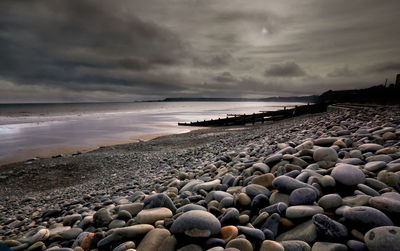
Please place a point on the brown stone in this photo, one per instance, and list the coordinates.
(340, 143)
(285, 222)
(153, 240)
(149, 216)
(264, 180)
(85, 244)
(228, 233)
(387, 150)
(241, 244)
(269, 245)
(243, 199)
(389, 136)
(244, 219)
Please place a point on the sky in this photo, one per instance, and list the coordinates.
(125, 50)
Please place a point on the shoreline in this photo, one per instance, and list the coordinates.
(49, 151)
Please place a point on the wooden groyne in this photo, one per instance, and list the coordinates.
(242, 119)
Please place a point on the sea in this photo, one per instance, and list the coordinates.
(48, 129)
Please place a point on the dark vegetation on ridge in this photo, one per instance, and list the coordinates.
(379, 94)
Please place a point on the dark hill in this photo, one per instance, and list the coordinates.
(374, 95)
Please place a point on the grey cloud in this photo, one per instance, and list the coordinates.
(287, 69)
(344, 71)
(50, 41)
(383, 67)
(213, 60)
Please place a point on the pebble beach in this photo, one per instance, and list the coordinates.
(327, 181)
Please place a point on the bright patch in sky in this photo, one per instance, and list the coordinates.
(264, 31)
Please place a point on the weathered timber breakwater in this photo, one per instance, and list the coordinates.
(328, 181)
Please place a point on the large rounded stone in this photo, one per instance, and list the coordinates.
(159, 200)
(243, 200)
(383, 238)
(305, 231)
(387, 202)
(230, 217)
(241, 244)
(130, 232)
(294, 212)
(259, 202)
(389, 178)
(102, 218)
(288, 184)
(328, 227)
(169, 244)
(132, 208)
(261, 167)
(207, 185)
(69, 220)
(330, 201)
(357, 200)
(308, 144)
(296, 246)
(117, 224)
(370, 147)
(71, 233)
(374, 166)
(367, 217)
(264, 180)
(355, 245)
(348, 175)
(41, 235)
(277, 197)
(125, 246)
(229, 233)
(325, 154)
(153, 239)
(37, 246)
(272, 223)
(270, 245)
(190, 247)
(190, 207)
(252, 233)
(149, 216)
(325, 141)
(302, 196)
(217, 195)
(253, 190)
(328, 246)
(196, 223)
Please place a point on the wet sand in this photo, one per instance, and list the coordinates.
(25, 154)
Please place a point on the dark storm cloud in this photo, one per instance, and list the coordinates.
(54, 41)
(134, 49)
(225, 77)
(287, 69)
(214, 60)
(383, 67)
